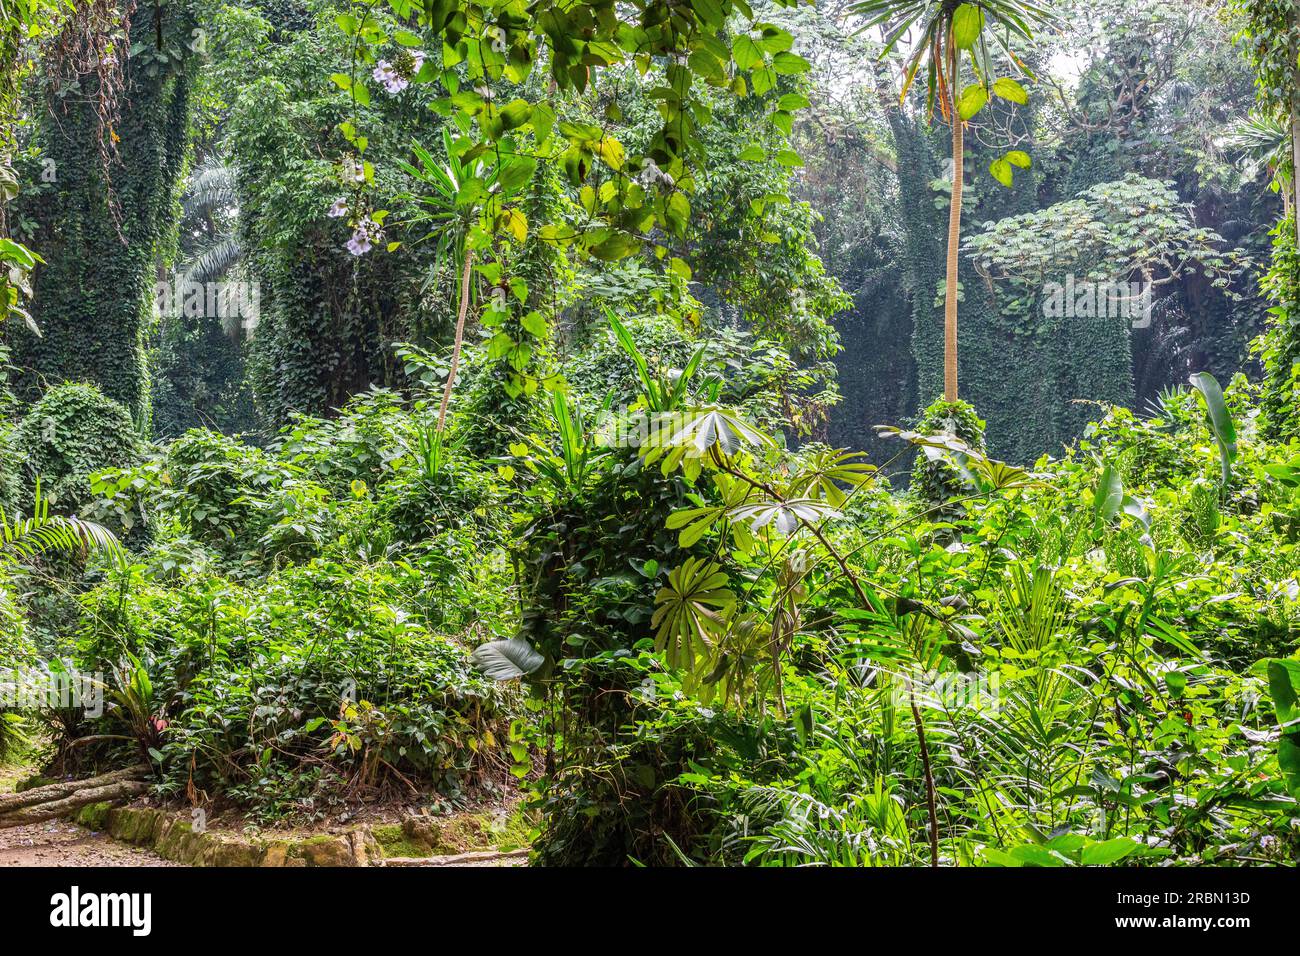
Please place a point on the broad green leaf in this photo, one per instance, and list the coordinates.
(507, 660)
(1284, 688)
(972, 101)
(1009, 89)
(1108, 496)
(967, 22)
(618, 245)
(790, 64)
(1220, 420)
(1107, 851)
(1000, 170)
(746, 52)
(1288, 760)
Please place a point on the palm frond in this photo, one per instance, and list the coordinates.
(25, 538)
(213, 262)
(211, 186)
(1261, 143)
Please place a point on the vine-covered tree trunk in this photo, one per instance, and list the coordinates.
(954, 247)
(102, 220)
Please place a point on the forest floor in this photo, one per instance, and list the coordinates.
(60, 843)
(63, 843)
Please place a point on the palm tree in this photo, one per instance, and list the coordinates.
(23, 539)
(948, 30)
(1264, 143)
(209, 241)
(458, 195)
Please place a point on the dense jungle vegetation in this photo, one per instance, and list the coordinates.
(663, 418)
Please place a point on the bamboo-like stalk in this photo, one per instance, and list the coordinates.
(460, 337)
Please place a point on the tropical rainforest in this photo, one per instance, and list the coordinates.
(660, 433)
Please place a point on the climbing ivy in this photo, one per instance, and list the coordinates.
(1071, 280)
(1279, 346)
(1271, 39)
(72, 432)
(108, 208)
(328, 318)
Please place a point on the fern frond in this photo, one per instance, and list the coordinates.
(24, 538)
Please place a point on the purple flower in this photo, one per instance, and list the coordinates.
(338, 210)
(364, 236)
(393, 81)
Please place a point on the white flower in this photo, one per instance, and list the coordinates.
(354, 170)
(393, 81)
(364, 236)
(338, 210)
(417, 61)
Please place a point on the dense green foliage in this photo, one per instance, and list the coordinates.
(514, 484)
(71, 433)
(106, 212)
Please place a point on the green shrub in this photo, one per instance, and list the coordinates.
(204, 486)
(639, 797)
(71, 433)
(935, 480)
(320, 663)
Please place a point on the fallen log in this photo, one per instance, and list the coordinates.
(41, 812)
(10, 802)
(460, 859)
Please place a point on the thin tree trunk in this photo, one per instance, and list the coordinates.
(1295, 169)
(930, 802)
(460, 336)
(1295, 136)
(954, 242)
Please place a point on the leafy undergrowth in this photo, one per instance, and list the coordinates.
(707, 648)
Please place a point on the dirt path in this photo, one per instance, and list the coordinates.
(58, 843)
(66, 844)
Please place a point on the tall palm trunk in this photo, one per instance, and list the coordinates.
(954, 243)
